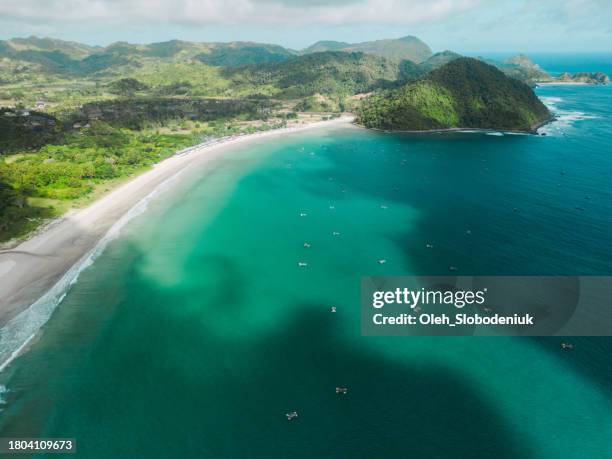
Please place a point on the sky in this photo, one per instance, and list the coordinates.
(465, 26)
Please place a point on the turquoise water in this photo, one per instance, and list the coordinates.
(196, 331)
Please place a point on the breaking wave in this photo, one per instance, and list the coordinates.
(563, 118)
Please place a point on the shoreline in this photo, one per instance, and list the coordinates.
(564, 83)
(567, 83)
(533, 131)
(35, 266)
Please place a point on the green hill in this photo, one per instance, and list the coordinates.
(326, 45)
(437, 60)
(465, 93)
(241, 54)
(59, 57)
(409, 47)
(70, 48)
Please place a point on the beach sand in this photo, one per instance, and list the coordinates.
(33, 267)
(565, 83)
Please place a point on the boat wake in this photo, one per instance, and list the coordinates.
(20, 330)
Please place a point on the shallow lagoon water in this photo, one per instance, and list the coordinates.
(196, 330)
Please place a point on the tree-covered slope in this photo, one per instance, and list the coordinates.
(75, 59)
(465, 93)
(326, 45)
(333, 72)
(438, 60)
(240, 54)
(70, 48)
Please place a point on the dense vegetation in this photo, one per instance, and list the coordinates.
(16, 216)
(465, 93)
(144, 112)
(238, 55)
(24, 129)
(332, 73)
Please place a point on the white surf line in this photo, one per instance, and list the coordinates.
(16, 352)
(564, 118)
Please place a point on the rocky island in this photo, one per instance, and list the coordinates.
(463, 94)
(524, 69)
(594, 78)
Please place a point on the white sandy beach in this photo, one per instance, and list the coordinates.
(33, 267)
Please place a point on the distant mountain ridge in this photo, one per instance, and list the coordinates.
(408, 47)
(70, 48)
(60, 56)
(438, 60)
(67, 56)
(326, 45)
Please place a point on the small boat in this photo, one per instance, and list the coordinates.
(332, 207)
(567, 346)
(382, 206)
(306, 245)
(468, 232)
(429, 246)
(303, 214)
(453, 268)
(382, 261)
(335, 233)
(333, 309)
(302, 264)
(342, 390)
(291, 415)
